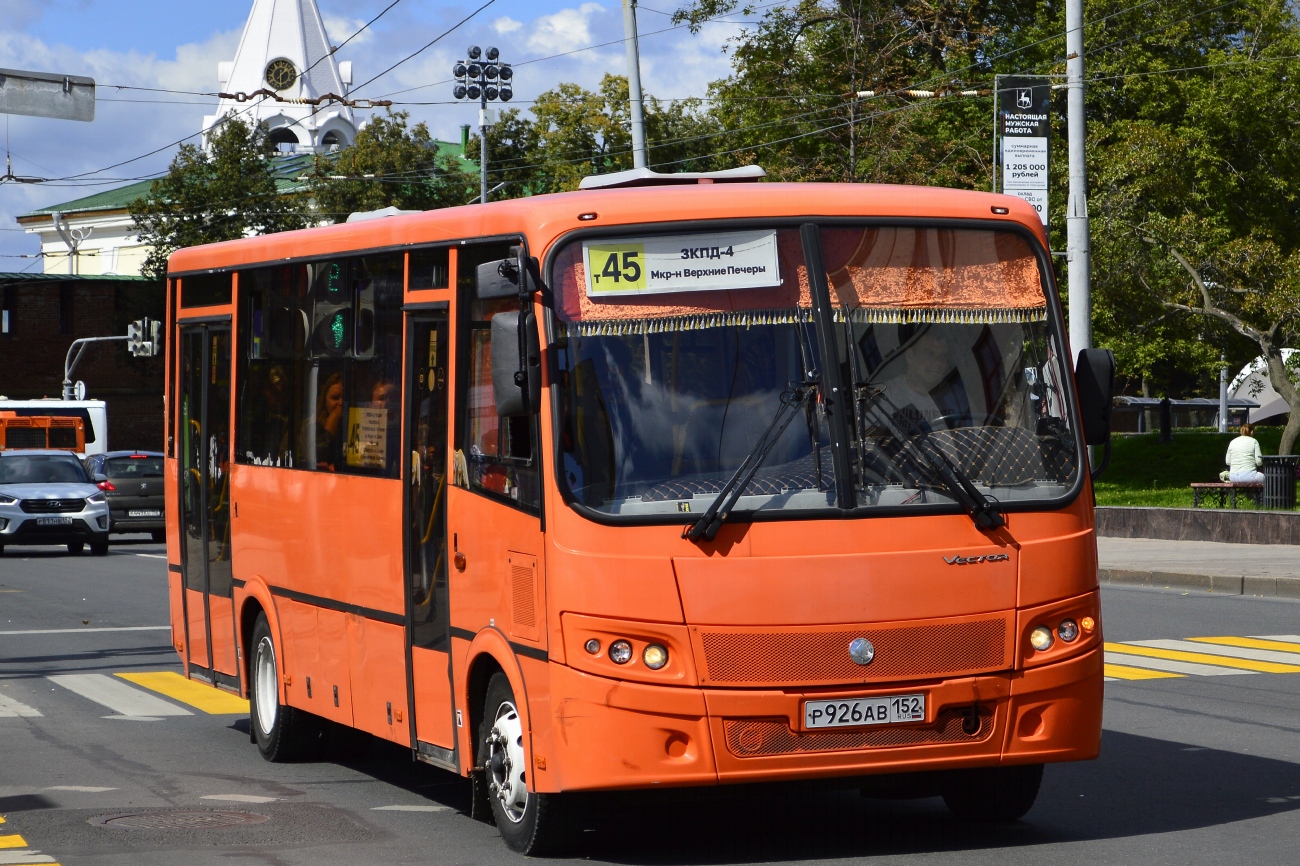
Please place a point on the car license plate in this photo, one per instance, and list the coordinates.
(144, 512)
(846, 712)
(54, 521)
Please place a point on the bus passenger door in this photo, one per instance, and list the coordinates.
(425, 484)
(205, 502)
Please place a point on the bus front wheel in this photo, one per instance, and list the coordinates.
(530, 823)
(993, 794)
(281, 732)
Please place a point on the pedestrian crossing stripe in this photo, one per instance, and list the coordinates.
(13, 841)
(203, 697)
(1202, 656)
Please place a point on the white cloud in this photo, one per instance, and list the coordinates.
(340, 27)
(505, 24)
(564, 30)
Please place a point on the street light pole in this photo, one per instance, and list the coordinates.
(483, 145)
(1078, 252)
(485, 78)
(637, 103)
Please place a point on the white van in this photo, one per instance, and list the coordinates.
(93, 415)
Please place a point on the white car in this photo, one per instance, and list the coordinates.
(46, 497)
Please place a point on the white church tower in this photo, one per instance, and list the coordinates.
(285, 49)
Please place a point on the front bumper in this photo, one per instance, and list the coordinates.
(88, 526)
(612, 734)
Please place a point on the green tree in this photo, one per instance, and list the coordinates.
(391, 164)
(574, 133)
(220, 194)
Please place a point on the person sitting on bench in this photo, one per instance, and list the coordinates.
(1244, 458)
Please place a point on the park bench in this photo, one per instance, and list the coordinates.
(1226, 490)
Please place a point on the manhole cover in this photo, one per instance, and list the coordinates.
(193, 819)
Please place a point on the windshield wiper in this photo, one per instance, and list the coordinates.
(711, 521)
(981, 507)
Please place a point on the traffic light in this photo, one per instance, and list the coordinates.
(153, 330)
(135, 337)
(331, 312)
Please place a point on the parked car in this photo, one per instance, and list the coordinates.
(134, 484)
(46, 497)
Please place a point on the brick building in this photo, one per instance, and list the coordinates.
(40, 316)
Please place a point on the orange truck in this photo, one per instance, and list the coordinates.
(676, 481)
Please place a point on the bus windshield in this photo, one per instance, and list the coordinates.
(677, 352)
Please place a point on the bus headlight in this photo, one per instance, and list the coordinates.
(1068, 630)
(620, 652)
(1041, 638)
(655, 656)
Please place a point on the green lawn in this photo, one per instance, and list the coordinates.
(1147, 472)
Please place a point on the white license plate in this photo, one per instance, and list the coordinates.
(54, 521)
(144, 512)
(849, 712)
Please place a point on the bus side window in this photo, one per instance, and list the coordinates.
(495, 455)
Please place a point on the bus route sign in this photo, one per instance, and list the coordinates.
(681, 263)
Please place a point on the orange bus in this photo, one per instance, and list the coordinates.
(670, 482)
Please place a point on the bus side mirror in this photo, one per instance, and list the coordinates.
(516, 380)
(1094, 376)
(501, 278)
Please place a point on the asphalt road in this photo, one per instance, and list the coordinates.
(1195, 768)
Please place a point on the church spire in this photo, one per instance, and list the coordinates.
(285, 48)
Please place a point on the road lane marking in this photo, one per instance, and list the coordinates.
(1257, 655)
(1284, 638)
(1202, 658)
(12, 709)
(209, 699)
(25, 857)
(240, 798)
(88, 630)
(153, 555)
(13, 841)
(1124, 672)
(126, 701)
(1188, 668)
(1252, 643)
(80, 789)
(400, 808)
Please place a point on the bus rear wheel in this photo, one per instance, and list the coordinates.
(282, 733)
(993, 794)
(530, 823)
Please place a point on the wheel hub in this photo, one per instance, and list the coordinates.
(266, 683)
(506, 764)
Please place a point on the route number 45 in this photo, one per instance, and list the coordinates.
(617, 267)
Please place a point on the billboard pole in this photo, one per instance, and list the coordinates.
(1078, 252)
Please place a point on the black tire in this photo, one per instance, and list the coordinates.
(159, 536)
(99, 548)
(281, 733)
(993, 794)
(76, 546)
(541, 825)
(2, 550)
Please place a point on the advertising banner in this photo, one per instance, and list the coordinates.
(1024, 132)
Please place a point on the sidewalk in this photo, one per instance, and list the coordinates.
(1232, 569)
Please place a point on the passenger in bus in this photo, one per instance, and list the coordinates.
(329, 424)
(384, 395)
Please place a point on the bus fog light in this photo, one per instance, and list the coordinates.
(620, 652)
(592, 646)
(1041, 638)
(1068, 630)
(655, 657)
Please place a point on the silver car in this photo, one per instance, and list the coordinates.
(46, 497)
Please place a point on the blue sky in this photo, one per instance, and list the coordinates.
(177, 45)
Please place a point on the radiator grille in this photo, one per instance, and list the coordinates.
(756, 738)
(822, 657)
(53, 506)
(521, 590)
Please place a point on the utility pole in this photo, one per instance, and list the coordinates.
(634, 84)
(1078, 252)
(1223, 393)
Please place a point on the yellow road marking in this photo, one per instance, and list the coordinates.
(14, 841)
(199, 695)
(1124, 672)
(1203, 658)
(1252, 643)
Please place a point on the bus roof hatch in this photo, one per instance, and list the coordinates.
(649, 177)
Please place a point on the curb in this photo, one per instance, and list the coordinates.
(1257, 586)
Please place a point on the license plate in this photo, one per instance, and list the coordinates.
(848, 712)
(144, 512)
(54, 521)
